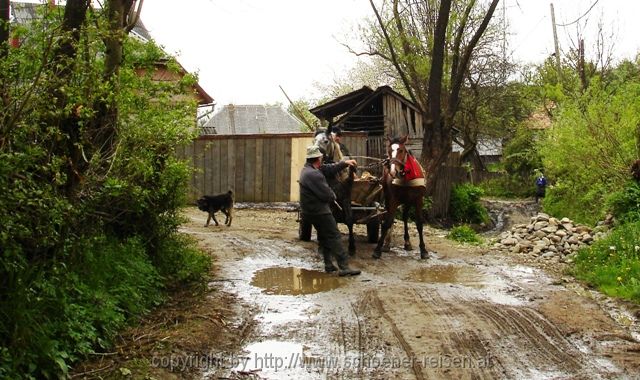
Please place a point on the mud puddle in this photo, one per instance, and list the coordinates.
(449, 274)
(294, 281)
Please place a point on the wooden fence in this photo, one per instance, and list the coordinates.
(257, 167)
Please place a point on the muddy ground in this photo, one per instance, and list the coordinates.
(466, 313)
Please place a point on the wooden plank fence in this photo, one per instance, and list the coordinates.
(256, 167)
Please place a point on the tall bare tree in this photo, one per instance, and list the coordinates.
(423, 41)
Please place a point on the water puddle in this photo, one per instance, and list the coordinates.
(449, 274)
(294, 281)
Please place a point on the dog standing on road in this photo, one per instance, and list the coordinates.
(214, 203)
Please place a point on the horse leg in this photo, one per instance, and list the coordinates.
(386, 225)
(405, 219)
(348, 220)
(386, 247)
(424, 254)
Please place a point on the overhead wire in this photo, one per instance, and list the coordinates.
(579, 18)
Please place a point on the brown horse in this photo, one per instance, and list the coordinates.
(404, 184)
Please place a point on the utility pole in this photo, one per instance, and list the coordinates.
(555, 41)
(504, 41)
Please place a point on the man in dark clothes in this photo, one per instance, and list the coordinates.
(315, 198)
(541, 184)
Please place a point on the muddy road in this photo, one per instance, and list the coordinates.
(466, 313)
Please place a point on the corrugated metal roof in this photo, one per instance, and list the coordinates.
(244, 119)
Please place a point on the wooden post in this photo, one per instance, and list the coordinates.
(555, 41)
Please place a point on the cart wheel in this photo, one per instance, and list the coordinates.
(304, 230)
(373, 231)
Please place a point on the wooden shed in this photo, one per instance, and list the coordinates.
(379, 113)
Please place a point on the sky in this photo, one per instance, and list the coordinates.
(243, 50)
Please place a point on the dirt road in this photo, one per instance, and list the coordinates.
(465, 314)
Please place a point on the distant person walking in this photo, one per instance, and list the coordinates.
(541, 185)
(315, 198)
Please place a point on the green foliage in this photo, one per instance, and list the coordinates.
(54, 313)
(464, 234)
(520, 165)
(180, 261)
(508, 186)
(613, 264)
(89, 236)
(590, 147)
(465, 206)
(520, 155)
(625, 204)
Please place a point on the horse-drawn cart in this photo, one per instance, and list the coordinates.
(366, 206)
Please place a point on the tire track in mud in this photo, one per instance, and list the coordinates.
(454, 327)
(417, 370)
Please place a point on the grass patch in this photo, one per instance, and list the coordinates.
(464, 234)
(613, 264)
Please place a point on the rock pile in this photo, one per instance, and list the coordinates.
(546, 237)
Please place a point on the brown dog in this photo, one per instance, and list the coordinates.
(214, 203)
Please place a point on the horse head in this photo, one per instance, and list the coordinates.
(328, 147)
(397, 153)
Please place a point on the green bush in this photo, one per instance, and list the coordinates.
(465, 206)
(625, 204)
(55, 313)
(613, 263)
(464, 234)
(589, 147)
(89, 234)
(508, 186)
(181, 261)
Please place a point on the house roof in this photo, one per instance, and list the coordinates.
(251, 119)
(486, 146)
(23, 13)
(359, 105)
(341, 104)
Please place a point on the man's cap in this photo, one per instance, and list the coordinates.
(336, 130)
(313, 151)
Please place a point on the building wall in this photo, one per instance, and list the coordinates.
(401, 120)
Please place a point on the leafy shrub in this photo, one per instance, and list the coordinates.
(508, 186)
(89, 233)
(589, 147)
(625, 204)
(181, 261)
(613, 263)
(464, 234)
(465, 206)
(520, 156)
(54, 314)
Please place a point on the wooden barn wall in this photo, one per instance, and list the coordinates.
(257, 168)
(400, 120)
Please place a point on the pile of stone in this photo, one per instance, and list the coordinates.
(546, 237)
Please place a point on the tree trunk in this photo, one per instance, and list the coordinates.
(4, 47)
(62, 63)
(436, 143)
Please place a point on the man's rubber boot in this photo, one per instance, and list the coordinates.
(346, 271)
(330, 268)
(328, 264)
